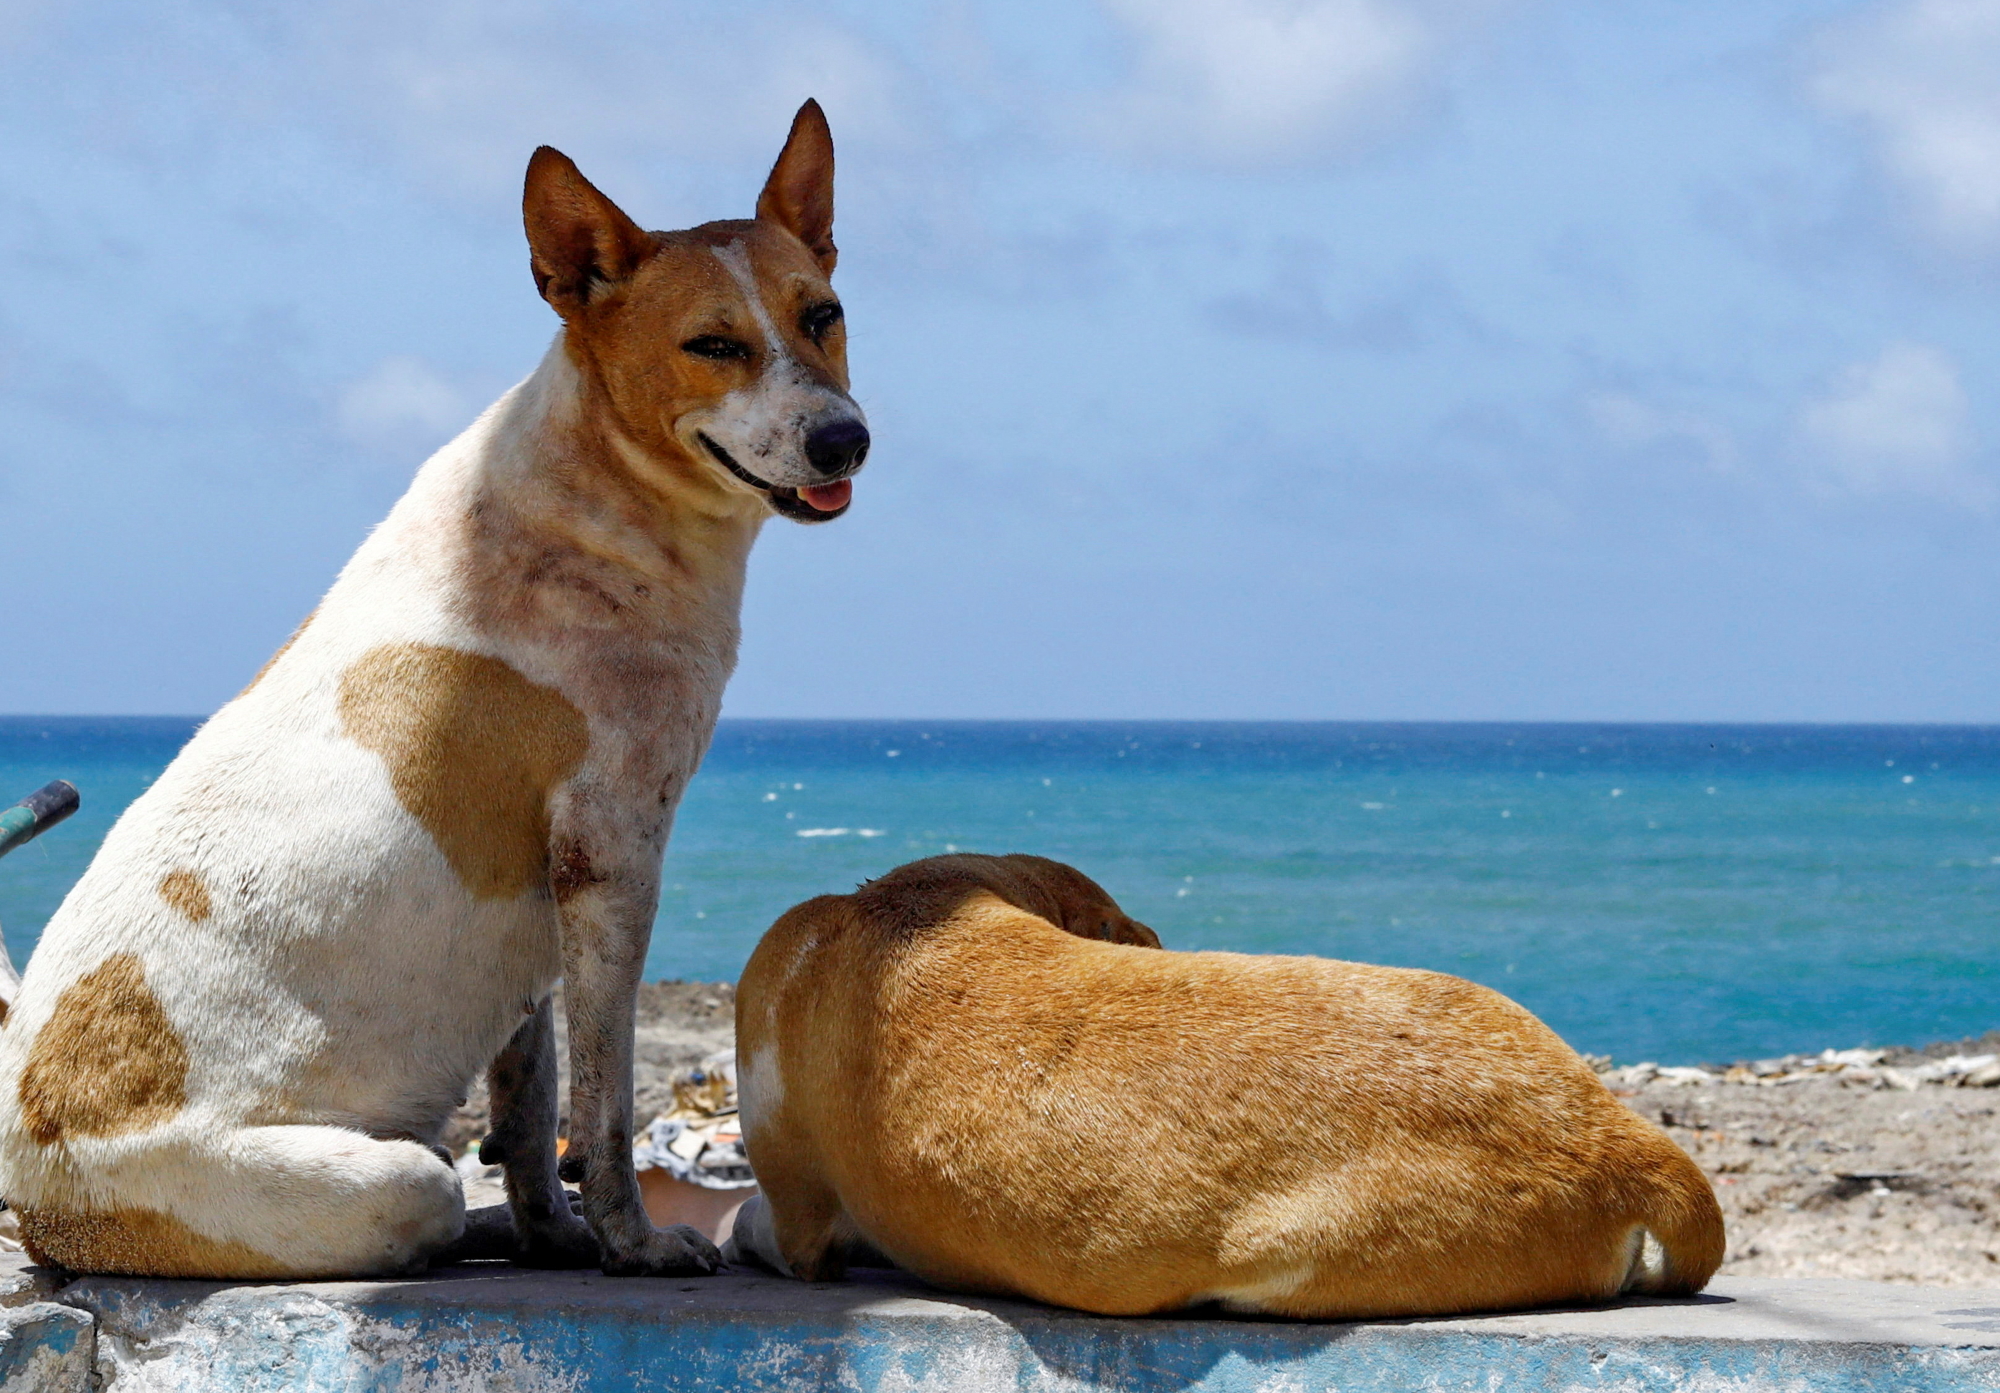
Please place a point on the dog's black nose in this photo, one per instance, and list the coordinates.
(838, 447)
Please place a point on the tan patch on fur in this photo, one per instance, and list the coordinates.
(473, 750)
(283, 649)
(187, 892)
(137, 1243)
(107, 1061)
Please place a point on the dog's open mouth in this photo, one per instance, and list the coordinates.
(813, 503)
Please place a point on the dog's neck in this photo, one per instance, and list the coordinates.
(563, 459)
(569, 520)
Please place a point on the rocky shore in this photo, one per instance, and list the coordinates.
(1878, 1164)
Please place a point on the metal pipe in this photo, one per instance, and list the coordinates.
(37, 813)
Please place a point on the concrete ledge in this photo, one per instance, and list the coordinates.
(500, 1331)
(45, 1346)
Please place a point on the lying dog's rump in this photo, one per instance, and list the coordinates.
(975, 1066)
(241, 1035)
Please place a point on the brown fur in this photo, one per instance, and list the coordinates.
(799, 194)
(1005, 1106)
(138, 1243)
(187, 892)
(473, 751)
(682, 292)
(106, 1061)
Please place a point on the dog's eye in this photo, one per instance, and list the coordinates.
(717, 348)
(819, 318)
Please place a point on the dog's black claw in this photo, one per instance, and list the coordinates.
(675, 1251)
(571, 1168)
(492, 1151)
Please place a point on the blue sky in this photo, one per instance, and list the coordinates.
(1227, 358)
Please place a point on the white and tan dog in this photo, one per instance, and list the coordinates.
(981, 1068)
(241, 1035)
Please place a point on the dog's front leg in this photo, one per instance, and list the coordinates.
(607, 910)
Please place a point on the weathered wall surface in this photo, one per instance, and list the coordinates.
(500, 1331)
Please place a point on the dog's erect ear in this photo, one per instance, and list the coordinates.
(799, 194)
(577, 238)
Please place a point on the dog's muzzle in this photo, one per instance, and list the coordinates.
(835, 449)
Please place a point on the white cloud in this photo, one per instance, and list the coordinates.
(1632, 423)
(468, 89)
(1255, 82)
(1897, 424)
(1922, 78)
(401, 406)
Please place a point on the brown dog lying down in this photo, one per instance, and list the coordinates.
(982, 1068)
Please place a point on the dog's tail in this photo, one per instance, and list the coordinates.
(19, 825)
(1679, 1242)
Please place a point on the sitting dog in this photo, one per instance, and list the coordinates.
(980, 1068)
(239, 1041)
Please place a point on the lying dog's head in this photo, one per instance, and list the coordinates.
(720, 351)
(923, 892)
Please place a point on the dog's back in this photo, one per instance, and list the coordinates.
(1003, 1106)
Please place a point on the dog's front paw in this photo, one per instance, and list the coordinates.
(677, 1251)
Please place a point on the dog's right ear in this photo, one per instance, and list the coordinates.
(799, 194)
(578, 240)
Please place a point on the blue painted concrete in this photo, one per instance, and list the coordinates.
(46, 1347)
(499, 1331)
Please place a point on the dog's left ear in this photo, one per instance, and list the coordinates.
(577, 238)
(799, 194)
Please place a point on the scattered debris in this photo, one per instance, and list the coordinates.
(1856, 1068)
(701, 1140)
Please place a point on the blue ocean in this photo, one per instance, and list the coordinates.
(1678, 893)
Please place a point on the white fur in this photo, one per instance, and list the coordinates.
(754, 1239)
(1256, 1298)
(761, 1084)
(1649, 1268)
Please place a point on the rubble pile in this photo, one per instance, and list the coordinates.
(700, 1140)
(1851, 1068)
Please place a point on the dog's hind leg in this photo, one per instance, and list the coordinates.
(277, 1201)
(796, 1227)
(538, 1227)
(754, 1241)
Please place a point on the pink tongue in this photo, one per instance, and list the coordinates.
(829, 498)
